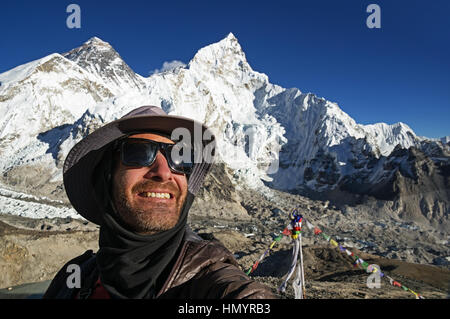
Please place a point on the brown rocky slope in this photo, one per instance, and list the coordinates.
(34, 250)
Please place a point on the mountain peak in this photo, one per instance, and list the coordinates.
(231, 36)
(92, 46)
(229, 41)
(95, 41)
(90, 49)
(226, 54)
(99, 57)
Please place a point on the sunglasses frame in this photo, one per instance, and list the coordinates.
(161, 146)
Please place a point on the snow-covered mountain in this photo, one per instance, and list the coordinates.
(267, 135)
(99, 58)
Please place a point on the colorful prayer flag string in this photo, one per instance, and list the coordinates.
(255, 265)
(359, 261)
(294, 230)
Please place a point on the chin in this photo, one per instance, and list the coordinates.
(151, 222)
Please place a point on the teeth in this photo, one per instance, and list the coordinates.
(158, 195)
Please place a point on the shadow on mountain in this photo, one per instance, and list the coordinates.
(54, 138)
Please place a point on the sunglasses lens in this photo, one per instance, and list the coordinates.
(138, 153)
(182, 167)
(181, 158)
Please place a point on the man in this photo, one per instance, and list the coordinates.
(136, 182)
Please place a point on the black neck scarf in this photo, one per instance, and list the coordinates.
(130, 264)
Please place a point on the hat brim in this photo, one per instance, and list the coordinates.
(85, 156)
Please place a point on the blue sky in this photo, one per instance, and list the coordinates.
(400, 72)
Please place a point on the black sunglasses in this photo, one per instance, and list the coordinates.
(140, 152)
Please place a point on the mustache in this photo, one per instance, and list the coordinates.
(145, 186)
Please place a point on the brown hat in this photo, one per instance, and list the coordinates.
(85, 155)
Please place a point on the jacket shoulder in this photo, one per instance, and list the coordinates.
(203, 251)
(207, 269)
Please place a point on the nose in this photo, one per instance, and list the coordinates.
(159, 170)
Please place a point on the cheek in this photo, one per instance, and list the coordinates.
(123, 181)
(182, 183)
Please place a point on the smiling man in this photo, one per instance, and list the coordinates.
(149, 199)
(138, 183)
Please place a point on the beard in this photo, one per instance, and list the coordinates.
(144, 216)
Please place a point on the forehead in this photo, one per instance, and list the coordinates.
(153, 136)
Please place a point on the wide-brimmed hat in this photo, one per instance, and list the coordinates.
(83, 158)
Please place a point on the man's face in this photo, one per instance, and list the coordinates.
(131, 186)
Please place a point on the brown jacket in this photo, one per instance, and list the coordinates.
(203, 270)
